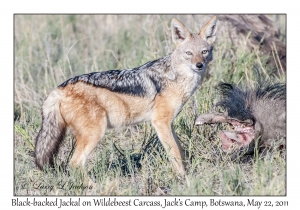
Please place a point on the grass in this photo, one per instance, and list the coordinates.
(52, 48)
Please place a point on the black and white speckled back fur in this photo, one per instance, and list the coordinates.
(149, 78)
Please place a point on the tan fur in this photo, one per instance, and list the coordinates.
(89, 111)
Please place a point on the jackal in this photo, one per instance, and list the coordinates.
(156, 91)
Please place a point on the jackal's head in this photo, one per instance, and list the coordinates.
(193, 51)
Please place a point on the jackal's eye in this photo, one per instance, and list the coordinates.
(204, 51)
(188, 52)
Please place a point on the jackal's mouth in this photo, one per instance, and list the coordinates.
(196, 69)
(239, 136)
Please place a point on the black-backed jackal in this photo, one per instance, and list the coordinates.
(156, 91)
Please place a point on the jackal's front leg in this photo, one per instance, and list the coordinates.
(171, 144)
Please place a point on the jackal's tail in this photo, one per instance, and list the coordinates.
(52, 131)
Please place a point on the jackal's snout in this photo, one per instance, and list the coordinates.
(199, 65)
(198, 62)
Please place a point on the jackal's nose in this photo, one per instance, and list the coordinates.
(199, 65)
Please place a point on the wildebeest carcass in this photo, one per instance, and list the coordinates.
(254, 114)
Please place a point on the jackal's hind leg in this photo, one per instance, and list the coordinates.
(86, 141)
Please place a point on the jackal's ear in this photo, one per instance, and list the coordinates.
(179, 31)
(208, 32)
